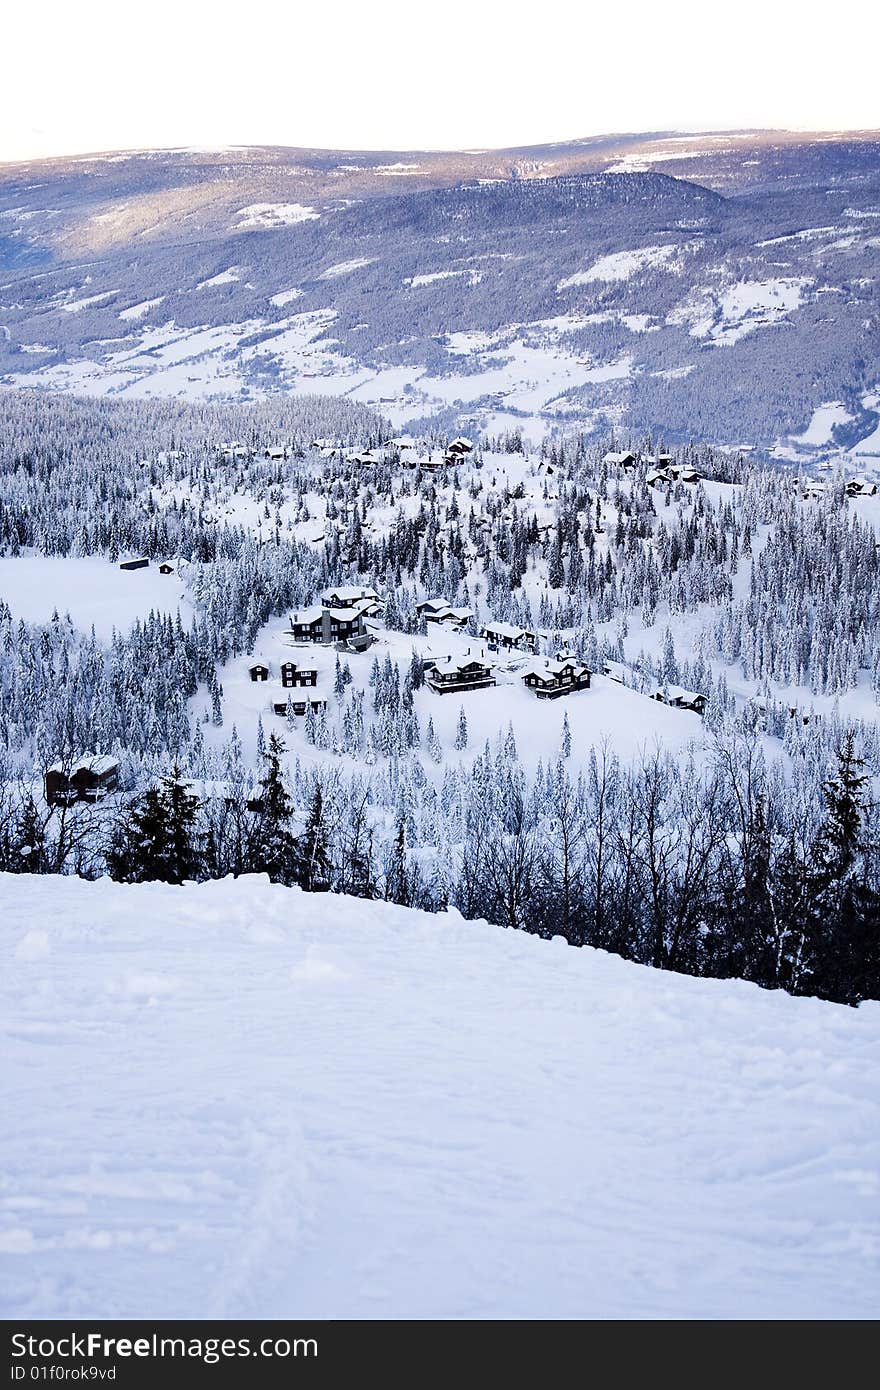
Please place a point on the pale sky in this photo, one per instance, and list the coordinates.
(103, 75)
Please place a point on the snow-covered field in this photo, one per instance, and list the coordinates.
(91, 590)
(620, 265)
(235, 1099)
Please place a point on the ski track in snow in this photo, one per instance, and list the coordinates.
(237, 1100)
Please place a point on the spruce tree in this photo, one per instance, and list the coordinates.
(313, 858)
(461, 736)
(274, 847)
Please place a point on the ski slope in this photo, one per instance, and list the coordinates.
(235, 1100)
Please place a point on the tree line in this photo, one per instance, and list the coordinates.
(724, 870)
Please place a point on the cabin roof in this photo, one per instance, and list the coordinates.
(96, 763)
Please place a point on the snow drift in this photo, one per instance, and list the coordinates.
(235, 1099)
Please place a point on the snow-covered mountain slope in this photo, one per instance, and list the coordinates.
(235, 1099)
(719, 287)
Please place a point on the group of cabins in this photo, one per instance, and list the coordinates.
(548, 679)
(408, 451)
(142, 563)
(660, 467)
(853, 487)
(292, 678)
(338, 620)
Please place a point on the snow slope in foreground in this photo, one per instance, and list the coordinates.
(235, 1099)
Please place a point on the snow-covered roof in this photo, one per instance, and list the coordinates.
(96, 763)
(346, 614)
(678, 694)
(349, 593)
(508, 630)
(308, 616)
(615, 671)
(550, 669)
(614, 456)
(462, 663)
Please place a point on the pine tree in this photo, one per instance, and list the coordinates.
(397, 880)
(566, 736)
(29, 848)
(555, 567)
(461, 737)
(274, 848)
(181, 810)
(313, 859)
(157, 839)
(845, 963)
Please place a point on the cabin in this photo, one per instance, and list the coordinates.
(682, 473)
(622, 459)
(679, 698)
(655, 477)
(140, 564)
(234, 449)
(460, 447)
(276, 452)
(615, 671)
(291, 677)
(258, 672)
(299, 707)
(551, 679)
(88, 779)
(506, 637)
(455, 618)
(166, 567)
(661, 460)
(326, 625)
(813, 488)
(453, 675)
(860, 487)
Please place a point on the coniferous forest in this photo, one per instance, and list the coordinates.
(754, 855)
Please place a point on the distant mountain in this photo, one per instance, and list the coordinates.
(716, 286)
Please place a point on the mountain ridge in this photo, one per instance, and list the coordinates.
(719, 286)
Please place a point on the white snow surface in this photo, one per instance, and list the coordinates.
(822, 422)
(620, 265)
(93, 591)
(235, 1100)
(275, 215)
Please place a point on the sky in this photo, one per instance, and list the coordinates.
(97, 75)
